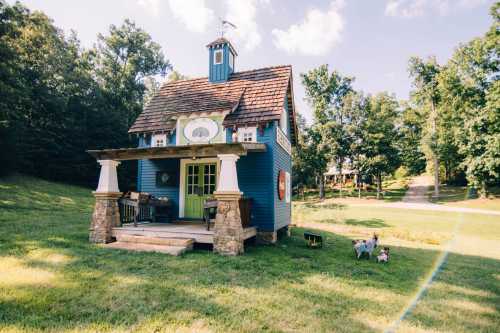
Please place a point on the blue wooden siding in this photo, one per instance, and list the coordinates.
(255, 174)
(147, 179)
(172, 138)
(219, 72)
(281, 161)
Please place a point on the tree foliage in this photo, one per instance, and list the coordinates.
(57, 99)
(326, 139)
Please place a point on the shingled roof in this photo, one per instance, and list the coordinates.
(251, 97)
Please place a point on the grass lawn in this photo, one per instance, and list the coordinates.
(52, 279)
(459, 196)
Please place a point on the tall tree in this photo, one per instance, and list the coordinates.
(410, 123)
(470, 86)
(426, 94)
(356, 107)
(58, 99)
(325, 93)
(380, 137)
(123, 59)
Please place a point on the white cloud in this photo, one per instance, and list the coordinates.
(317, 34)
(243, 14)
(194, 14)
(414, 8)
(151, 6)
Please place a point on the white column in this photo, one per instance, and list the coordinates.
(228, 178)
(108, 180)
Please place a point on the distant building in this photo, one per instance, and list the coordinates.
(346, 175)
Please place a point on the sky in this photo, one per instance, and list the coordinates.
(370, 40)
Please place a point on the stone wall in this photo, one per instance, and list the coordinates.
(106, 216)
(228, 231)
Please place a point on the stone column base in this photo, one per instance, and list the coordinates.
(106, 216)
(267, 237)
(228, 230)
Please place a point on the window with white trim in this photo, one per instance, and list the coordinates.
(247, 134)
(218, 58)
(159, 140)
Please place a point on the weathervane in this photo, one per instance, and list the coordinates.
(224, 24)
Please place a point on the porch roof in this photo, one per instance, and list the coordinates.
(198, 151)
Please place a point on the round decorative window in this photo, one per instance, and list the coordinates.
(201, 130)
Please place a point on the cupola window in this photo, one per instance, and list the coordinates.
(218, 57)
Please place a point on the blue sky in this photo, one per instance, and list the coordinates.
(371, 40)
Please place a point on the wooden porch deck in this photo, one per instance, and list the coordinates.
(195, 231)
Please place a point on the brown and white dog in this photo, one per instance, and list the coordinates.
(384, 255)
(362, 247)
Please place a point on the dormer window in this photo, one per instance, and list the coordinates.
(159, 140)
(218, 57)
(248, 134)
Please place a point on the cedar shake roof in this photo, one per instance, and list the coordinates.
(252, 98)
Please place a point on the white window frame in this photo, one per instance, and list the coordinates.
(221, 57)
(244, 132)
(284, 121)
(158, 137)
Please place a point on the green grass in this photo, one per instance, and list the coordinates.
(461, 196)
(52, 279)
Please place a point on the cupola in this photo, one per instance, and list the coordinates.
(221, 59)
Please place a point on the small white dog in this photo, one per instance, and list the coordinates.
(384, 255)
(365, 246)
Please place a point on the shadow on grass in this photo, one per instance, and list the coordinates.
(118, 289)
(319, 205)
(369, 223)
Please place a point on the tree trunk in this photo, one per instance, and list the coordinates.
(358, 184)
(379, 184)
(341, 180)
(321, 187)
(434, 152)
(483, 190)
(436, 176)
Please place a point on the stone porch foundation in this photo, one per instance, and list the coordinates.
(106, 216)
(228, 230)
(271, 237)
(267, 237)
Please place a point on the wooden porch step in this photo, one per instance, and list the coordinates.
(143, 247)
(168, 241)
(199, 236)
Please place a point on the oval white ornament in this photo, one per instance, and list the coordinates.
(201, 130)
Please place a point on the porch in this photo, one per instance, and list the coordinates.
(197, 173)
(179, 230)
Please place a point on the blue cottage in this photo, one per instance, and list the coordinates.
(226, 138)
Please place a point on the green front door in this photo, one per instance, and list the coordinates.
(200, 184)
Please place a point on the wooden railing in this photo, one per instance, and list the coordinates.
(134, 211)
(140, 210)
(210, 209)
